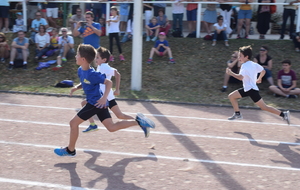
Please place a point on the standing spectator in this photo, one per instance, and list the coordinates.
(19, 23)
(161, 48)
(163, 22)
(103, 26)
(103, 8)
(263, 18)
(288, 11)
(148, 8)
(159, 6)
(76, 18)
(4, 12)
(44, 9)
(32, 8)
(226, 12)
(266, 62)
(66, 48)
(191, 14)
(177, 12)
(97, 10)
(152, 29)
(124, 12)
(286, 82)
(244, 15)
(113, 30)
(220, 31)
(19, 50)
(4, 47)
(42, 41)
(52, 13)
(296, 40)
(235, 67)
(35, 24)
(210, 17)
(90, 30)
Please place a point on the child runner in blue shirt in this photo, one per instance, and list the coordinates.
(96, 102)
(248, 74)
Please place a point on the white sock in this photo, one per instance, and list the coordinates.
(25, 62)
(11, 62)
(224, 86)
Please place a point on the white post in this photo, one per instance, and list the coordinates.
(24, 13)
(107, 16)
(137, 47)
(198, 26)
(298, 21)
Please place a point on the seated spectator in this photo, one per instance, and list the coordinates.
(235, 67)
(19, 50)
(19, 23)
(286, 82)
(161, 48)
(152, 29)
(220, 31)
(76, 18)
(266, 61)
(103, 26)
(163, 22)
(66, 47)
(42, 41)
(296, 40)
(209, 17)
(129, 34)
(36, 24)
(53, 47)
(4, 48)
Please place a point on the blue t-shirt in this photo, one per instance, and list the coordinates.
(25, 41)
(124, 9)
(89, 36)
(161, 49)
(36, 23)
(152, 25)
(90, 80)
(4, 3)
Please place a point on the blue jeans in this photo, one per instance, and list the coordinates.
(32, 36)
(40, 53)
(286, 14)
(221, 36)
(178, 17)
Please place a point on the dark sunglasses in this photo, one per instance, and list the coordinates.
(262, 50)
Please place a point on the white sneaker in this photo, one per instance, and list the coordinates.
(147, 39)
(286, 116)
(235, 117)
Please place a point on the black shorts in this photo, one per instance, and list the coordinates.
(4, 11)
(89, 111)
(254, 94)
(112, 103)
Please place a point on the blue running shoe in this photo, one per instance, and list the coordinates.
(64, 152)
(145, 123)
(91, 128)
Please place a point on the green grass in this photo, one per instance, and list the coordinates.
(197, 76)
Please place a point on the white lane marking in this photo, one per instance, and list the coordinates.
(156, 156)
(157, 132)
(159, 115)
(41, 184)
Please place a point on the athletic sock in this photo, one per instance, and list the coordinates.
(70, 152)
(224, 86)
(237, 113)
(281, 114)
(92, 124)
(11, 62)
(25, 62)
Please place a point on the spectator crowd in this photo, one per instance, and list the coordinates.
(50, 39)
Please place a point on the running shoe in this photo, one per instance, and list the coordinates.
(147, 39)
(10, 67)
(238, 37)
(235, 117)
(286, 116)
(145, 123)
(154, 39)
(122, 58)
(58, 67)
(64, 152)
(149, 61)
(44, 57)
(64, 59)
(172, 61)
(292, 96)
(91, 128)
(247, 37)
(111, 58)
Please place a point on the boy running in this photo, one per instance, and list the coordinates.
(102, 58)
(96, 102)
(248, 74)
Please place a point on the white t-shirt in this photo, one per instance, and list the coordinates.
(178, 7)
(249, 71)
(62, 41)
(220, 27)
(114, 26)
(109, 71)
(42, 40)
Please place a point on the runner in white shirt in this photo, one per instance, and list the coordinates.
(248, 74)
(102, 58)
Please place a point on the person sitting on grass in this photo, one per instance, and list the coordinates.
(286, 82)
(96, 102)
(53, 47)
(220, 31)
(42, 41)
(66, 48)
(4, 47)
(19, 50)
(152, 29)
(161, 48)
(235, 67)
